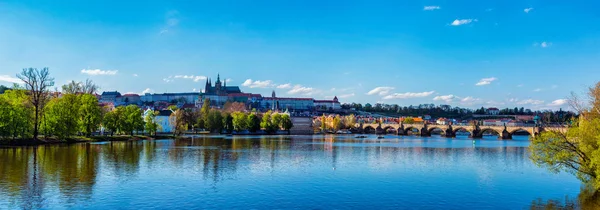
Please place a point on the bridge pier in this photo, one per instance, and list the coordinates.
(425, 131)
(401, 131)
(504, 134)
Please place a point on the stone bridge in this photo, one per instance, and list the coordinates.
(475, 131)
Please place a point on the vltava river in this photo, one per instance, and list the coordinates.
(299, 172)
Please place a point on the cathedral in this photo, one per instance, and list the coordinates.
(219, 89)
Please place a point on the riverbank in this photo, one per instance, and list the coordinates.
(78, 139)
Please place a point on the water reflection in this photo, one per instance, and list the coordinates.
(82, 174)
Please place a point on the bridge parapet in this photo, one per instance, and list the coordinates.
(476, 131)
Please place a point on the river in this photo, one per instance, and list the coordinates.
(266, 172)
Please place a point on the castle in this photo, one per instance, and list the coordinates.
(219, 89)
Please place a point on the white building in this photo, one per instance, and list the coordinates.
(162, 119)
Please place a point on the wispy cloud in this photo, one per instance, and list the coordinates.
(380, 90)
(258, 84)
(486, 81)
(346, 95)
(299, 89)
(171, 21)
(192, 77)
(6, 78)
(531, 102)
(147, 90)
(446, 98)
(135, 75)
(408, 95)
(459, 22)
(429, 8)
(527, 10)
(520, 85)
(537, 90)
(95, 72)
(284, 86)
(542, 44)
(558, 102)
(469, 100)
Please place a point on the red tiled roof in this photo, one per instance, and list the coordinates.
(131, 94)
(326, 101)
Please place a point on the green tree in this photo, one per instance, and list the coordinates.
(111, 121)
(286, 123)
(240, 121)
(337, 123)
(37, 82)
(133, 120)
(253, 122)
(214, 121)
(276, 120)
(204, 111)
(349, 121)
(90, 114)
(576, 150)
(228, 122)
(62, 116)
(151, 125)
(409, 120)
(15, 114)
(323, 123)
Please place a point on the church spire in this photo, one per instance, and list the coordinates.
(218, 78)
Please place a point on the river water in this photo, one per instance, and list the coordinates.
(266, 172)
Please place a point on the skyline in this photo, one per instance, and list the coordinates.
(500, 54)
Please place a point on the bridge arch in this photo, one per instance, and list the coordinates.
(390, 129)
(431, 129)
(521, 130)
(413, 130)
(457, 129)
(369, 129)
(489, 130)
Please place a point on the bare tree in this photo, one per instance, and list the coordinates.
(72, 88)
(89, 87)
(37, 82)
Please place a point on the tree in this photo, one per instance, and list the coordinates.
(349, 121)
(337, 123)
(227, 122)
(576, 150)
(323, 123)
(3, 89)
(177, 119)
(286, 123)
(37, 83)
(61, 116)
(15, 114)
(253, 122)
(240, 121)
(90, 114)
(111, 121)
(151, 125)
(204, 111)
(276, 120)
(409, 120)
(214, 122)
(234, 107)
(72, 88)
(267, 122)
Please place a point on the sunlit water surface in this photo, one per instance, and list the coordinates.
(300, 172)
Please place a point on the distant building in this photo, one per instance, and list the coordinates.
(493, 111)
(162, 119)
(219, 93)
(328, 105)
(181, 98)
(109, 96)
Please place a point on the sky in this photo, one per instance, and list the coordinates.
(468, 53)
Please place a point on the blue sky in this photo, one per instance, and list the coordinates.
(465, 53)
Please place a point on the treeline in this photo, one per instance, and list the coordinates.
(335, 123)
(419, 110)
(233, 117)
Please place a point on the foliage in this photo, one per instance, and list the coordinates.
(253, 123)
(227, 122)
(408, 120)
(203, 117)
(267, 123)
(349, 121)
(240, 121)
(37, 82)
(337, 123)
(286, 122)
(90, 114)
(323, 123)
(177, 119)
(173, 108)
(214, 121)
(111, 121)
(15, 114)
(577, 150)
(151, 125)
(87, 87)
(276, 121)
(61, 116)
(230, 107)
(3, 89)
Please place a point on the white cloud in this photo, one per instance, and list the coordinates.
(147, 90)
(168, 79)
(486, 81)
(380, 90)
(192, 77)
(429, 8)
(95, 72)
(9, 79)
(299, 89)
(228, 80)
(545, 44)
(171, 21)
(537, 90)
(558, 102)
(258, 84)
(346, 95)
(527, 10)
(284, 86)
(520, 85)
(470, 100)
(530, 101)
(408, 95)
(135, 75)
(446, 98)
(459, 22)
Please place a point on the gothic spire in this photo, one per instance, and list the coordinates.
(218, 78)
